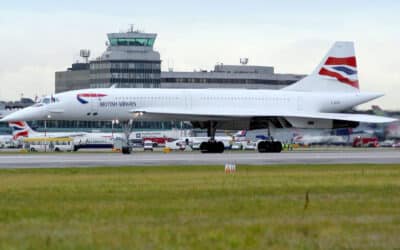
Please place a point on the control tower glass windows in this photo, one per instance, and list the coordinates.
(141, 42)
(127, 74)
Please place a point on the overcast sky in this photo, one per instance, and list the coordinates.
(41, 37)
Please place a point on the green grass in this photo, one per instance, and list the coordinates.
(350, 206)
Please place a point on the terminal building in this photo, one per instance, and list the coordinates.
(130, 61)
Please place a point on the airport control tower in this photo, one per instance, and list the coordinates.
(129, 62)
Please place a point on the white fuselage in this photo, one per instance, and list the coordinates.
(120, 104)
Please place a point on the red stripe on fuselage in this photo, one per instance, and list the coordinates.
(349, 61)
(339, 77)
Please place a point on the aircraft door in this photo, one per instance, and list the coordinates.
(188, 100)
(300, 103)
(95, 103)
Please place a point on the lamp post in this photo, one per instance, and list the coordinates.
(45, 133)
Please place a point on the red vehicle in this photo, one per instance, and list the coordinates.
(157, 141)
(371, 142)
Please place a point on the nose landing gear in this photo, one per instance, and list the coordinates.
(127, 128)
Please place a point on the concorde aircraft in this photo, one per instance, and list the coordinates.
(316, 101)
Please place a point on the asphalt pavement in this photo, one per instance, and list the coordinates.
(56, 160)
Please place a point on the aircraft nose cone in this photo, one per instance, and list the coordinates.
(27, 114)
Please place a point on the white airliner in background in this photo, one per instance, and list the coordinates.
(316, 101)
(21, 129)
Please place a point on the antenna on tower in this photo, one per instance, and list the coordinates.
(85, 54)
(244, 61)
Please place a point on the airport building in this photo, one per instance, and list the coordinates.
(130, 61)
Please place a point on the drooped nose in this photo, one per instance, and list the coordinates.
(27, 114)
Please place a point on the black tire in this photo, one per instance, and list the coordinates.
(126, 150)
(277, 146)
(204, 147)
(261, 147)
(220, 147)
(33, 150)
(57, 150)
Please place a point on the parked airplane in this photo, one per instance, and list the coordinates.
(21, 129)
(320, 140)
(6, 141)
(315, 101)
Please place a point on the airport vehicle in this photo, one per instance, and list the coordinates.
(148, 145)
(6, 141)
(40, 144)
(176, 145)
(251, 145)
(237, 145)
(371, 142)
(316, 101)
(157, 141)
(95, 140)
(387, 143)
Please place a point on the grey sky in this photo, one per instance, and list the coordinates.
(41, 37)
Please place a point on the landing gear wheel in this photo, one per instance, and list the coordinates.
(269, 147)
(262, 147)
(276, 146)
(126, 150)
(220, 147)
(212, 147)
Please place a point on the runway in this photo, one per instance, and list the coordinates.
(195, 158)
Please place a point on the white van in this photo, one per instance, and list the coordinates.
(148, 145)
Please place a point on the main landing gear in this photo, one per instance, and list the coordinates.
(212, 146)
(269, 146)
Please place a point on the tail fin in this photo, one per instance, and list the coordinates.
(21, 129)
(337, 72)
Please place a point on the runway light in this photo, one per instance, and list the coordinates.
(230, 168)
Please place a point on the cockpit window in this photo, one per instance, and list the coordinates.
(48, 100)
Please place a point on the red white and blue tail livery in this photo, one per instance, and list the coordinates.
(337, 72)
(20, 129)
(344, 69)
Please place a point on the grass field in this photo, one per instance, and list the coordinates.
(349, 206)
